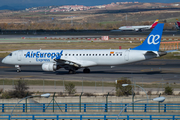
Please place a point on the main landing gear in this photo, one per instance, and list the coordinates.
(86, 70)
(72, 71)
(18, 67)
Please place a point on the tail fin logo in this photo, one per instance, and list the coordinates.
(153, 39)
(154, 24)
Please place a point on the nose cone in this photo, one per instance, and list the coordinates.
(3, 61)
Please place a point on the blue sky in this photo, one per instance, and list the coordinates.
(31, 3)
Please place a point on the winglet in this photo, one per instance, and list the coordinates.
(153, 41)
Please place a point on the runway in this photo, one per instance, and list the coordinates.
(152, 71)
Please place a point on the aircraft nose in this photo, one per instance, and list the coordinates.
(3, 61)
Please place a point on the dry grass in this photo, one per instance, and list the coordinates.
(81, 18)
(81, 45)
(85, 83)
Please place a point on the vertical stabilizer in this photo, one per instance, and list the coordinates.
(154, 24)
(178, 23)
(153, 41)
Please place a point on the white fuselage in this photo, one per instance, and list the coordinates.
(136, 28)
(84, 58)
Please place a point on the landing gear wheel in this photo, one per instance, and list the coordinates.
(18, 70)
(86, 70)
(72, 71)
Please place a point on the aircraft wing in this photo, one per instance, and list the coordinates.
(74, 63)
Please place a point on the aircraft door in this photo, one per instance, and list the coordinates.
(126, 55)
(19, 55)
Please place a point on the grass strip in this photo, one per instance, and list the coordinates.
(84, 83)
(58, 82)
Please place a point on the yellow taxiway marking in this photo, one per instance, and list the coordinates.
(146, 70)
(23, 76)
(5, 67)
(161, 81)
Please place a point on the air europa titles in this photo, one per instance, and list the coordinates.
(43, 56)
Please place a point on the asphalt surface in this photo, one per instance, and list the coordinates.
(107, 33)
(82, 32)
(152, 71)
(40, 38)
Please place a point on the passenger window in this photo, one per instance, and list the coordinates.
(83, 54)
(73, 54)
(96, 54)
(117, 54)
(113, 54)
(102, 54)
(86, 54)
(76, 54)
(106, 54)
(69, 54)
(89, 54)
(120, 54)
(79, 54)
(109, 54)
(93, 54)
(65, 54)
(24, 54)
(99, 54)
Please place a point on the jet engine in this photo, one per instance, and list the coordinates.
(49, 66)
(136, 30)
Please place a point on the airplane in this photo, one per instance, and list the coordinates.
(72, 60)
(177, 24)
(139, 28)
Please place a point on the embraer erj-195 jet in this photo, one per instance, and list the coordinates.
(72, 60)
(139, 28)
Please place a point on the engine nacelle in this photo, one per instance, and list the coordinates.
(136, 30)
(49, 66)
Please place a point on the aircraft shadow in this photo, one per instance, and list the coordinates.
(91, 73)
(106, 72)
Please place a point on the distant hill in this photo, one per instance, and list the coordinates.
(6, 7)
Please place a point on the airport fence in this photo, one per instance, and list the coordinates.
(88, 117)
(90, 107)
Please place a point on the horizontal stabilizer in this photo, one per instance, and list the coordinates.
(169, 51)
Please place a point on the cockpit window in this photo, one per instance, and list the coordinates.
(10, 54)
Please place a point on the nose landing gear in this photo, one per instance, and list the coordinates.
(18, 67)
